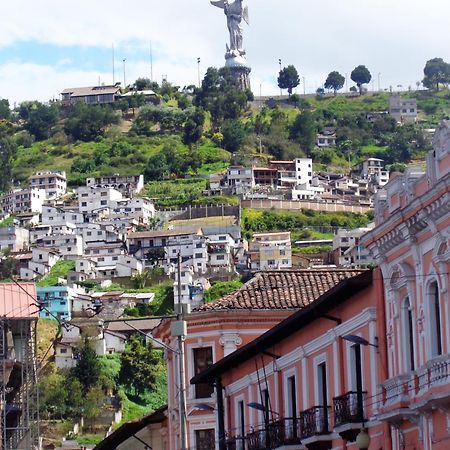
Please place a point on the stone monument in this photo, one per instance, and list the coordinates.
(235, 57)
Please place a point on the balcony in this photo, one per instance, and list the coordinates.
(433, 384)
(349, 414)
(217, 249)
(314, 428)
(277, 434)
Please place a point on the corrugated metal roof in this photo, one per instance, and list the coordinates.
(18, 301)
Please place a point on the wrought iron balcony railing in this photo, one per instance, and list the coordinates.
(349, 408)
(314, 421)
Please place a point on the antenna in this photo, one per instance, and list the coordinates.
(113, 66)
(151, 61)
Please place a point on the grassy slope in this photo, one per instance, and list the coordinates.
(48, 155)
(59, 270)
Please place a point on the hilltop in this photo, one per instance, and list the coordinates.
(202, 131)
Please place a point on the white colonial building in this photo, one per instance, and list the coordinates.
(53, 183)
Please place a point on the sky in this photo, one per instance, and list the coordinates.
(49, 45)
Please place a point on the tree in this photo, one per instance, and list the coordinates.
(303, 131)
(234, 135)
(140, 365)
(334, 81)
(437, 72)
(87, 122)
(156, 168)
(142, 84)
(361, 75)
(40, 119)
(53, 393)
(8, 150)
(221, 95)
(5, 112)
(87, 369)
(288, 78)
(193, 127)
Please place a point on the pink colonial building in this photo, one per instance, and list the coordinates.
(310, 382)
(411, 245)
(218, 329)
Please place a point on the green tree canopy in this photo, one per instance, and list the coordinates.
(8, 151)
(40, 118)
(437, 72)
(304, 131)
(234, 135)
(159, 119)
(142, 84)
(87, 370)
(5, 112)
(361, 75)
(334, 81)
(87, 122)
(288, 78)
(221, 95)
(193, 127)
(140, 365)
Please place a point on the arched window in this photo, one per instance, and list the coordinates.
(435, 319)
(408, 334)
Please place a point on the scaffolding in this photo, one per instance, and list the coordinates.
(19, 403)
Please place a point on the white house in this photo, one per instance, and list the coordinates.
(138, 208)
(149, 246)
(43, 259)
(14, 238)
(54, 183)
(403, 110)
(91, 200)
(239, 179)
(193, 250)
(66, 244)
(348, 250)
(28, 200)
(52, 215)
(127, 184)
(270, 251)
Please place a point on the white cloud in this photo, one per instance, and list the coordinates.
(391, 38)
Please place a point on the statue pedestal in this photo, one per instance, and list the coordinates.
(239, 69)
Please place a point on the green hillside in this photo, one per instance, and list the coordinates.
(201, 132)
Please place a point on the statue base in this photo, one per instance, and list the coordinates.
(239, 69)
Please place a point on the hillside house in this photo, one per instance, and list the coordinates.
(126, 184)
(53, 183)
(403, 110)
(14, 238)
(268, 251)
(18, 201)
(93, 95)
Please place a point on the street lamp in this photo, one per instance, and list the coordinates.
(198, 68)
(363, 439)
(279, 63)
(359, 340)
(124, 77)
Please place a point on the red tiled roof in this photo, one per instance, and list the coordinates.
(18, 302)
(284, 289)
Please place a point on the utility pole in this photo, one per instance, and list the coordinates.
(279, 62)
(113, 66)
(182, 393)
(304, 85)
(151, 61)
(124, 74)
(198, 69)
